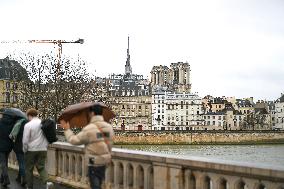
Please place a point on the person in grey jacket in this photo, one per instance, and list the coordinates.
(35, 149)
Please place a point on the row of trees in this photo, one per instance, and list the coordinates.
(50, 87)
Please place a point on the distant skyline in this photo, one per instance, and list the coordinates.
(234, 47)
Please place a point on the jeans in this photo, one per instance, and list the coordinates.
(4, 167)
(21, 162)
(96, 176)
(36, 159)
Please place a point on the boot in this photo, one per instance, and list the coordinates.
(49, 185)
(1, 179)
(23, 181)
(18, 179)
(6, 181)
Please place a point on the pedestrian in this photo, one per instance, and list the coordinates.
(35, 149)
(6, 145)
(17, 136)
(97, 138)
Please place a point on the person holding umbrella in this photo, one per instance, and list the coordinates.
(96, 136)
(7, 122)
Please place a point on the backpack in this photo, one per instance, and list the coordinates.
(48, 126)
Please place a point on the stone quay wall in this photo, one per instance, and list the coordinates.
(198, 137)
(144, 170)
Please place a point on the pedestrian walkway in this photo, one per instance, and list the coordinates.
(37, 184)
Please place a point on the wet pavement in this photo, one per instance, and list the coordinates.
(37, 183)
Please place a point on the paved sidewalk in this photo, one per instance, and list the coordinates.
(37, 184)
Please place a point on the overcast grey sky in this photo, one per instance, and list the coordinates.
(235, 48)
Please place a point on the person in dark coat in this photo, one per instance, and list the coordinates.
(18, 149)
(6, 145)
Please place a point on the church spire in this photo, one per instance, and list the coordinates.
(128, 69)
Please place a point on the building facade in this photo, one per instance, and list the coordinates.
(11, 76)
(173, 79)
(279, 113)
(221, 113)
(132, 113)
(176, 111)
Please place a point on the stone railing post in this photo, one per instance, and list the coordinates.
(52, 161)
(168, 176)
(148, 177)
(115, 169)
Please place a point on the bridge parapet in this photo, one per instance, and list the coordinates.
(145, 170)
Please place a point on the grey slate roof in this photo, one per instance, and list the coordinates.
(12, 70)
(281, 99)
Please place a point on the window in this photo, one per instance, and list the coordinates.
(213, 117)
(15, 86)
(15, 98)
(7, 97)
(8, 85)
(213, 122)
(139, 107)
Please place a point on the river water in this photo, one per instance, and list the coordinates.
(267, 155)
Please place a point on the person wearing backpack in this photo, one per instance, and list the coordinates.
(35, 148)
(17, 136)
(97, 138)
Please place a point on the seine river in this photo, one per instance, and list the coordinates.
(267, 155)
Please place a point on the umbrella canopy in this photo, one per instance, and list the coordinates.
(15, 112)
(77, 114)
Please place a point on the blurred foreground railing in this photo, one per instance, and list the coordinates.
(144, 170)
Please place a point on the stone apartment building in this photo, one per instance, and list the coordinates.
(279, 113)
(221, 114)
(176, 111)
(11, 73)
(132, 112)
(262, 116)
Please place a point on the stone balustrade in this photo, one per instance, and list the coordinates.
(144, 170)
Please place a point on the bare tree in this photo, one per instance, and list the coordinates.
(50, 89)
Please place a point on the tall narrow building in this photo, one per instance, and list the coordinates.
(128, 84)
(128, 69)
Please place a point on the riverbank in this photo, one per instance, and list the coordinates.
(198, 137)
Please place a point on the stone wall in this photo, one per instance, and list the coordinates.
(202, 137)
